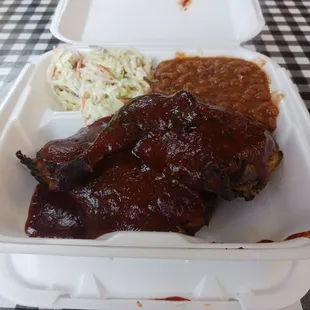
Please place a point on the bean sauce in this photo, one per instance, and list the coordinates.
(227, 82)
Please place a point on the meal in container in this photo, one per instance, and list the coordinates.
(196, 130)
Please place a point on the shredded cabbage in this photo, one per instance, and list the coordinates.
(98, 82)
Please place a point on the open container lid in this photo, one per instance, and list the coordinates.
(161, 22)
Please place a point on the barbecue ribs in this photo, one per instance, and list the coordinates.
(61, 154)
(211, 149)
(126, 196)
(221, 153)
(53, 215)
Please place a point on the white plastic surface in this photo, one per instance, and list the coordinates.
(155, 23)
(104, 283)
(281, 208)
(33, 117)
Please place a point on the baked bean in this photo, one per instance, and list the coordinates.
(262, 95)
(234, 97)
(247, 97)
(272, 122)
(224, 84)
(165, 83)
(200, 90)
(239, 107)
(259, 116)
(272, 110)
(189, 86)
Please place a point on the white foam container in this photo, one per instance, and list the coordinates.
(122, 283)
(31, 116)
(115, 271)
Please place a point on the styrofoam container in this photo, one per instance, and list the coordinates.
(121, 283)
(31, 116)
(128, 270)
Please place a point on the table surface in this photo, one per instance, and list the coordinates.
(24, 34)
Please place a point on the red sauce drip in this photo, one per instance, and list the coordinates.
(305, 234)
(185, 4)
(173, 298)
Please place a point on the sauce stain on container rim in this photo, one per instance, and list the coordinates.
(173, 298)
(185, 4)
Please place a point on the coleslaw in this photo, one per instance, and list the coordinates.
(98, 82)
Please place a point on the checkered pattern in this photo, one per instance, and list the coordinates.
(286, 37)
(24, 33)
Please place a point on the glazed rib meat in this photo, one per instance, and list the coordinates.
(61, 154)
(145, 115)
(221, 152)
(53, 215)
(211, 148)
(205, 158)
(128, 195)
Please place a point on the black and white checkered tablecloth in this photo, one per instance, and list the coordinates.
(24, 34)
